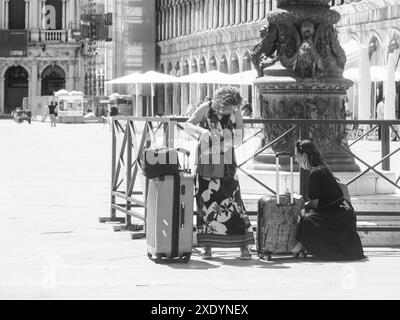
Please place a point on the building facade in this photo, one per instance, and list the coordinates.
(48, 57)
(204, 35)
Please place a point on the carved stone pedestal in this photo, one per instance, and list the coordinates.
(284, 97)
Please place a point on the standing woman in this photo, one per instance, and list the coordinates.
(222, 220)
(328, 231)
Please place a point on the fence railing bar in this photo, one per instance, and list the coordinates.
(395, 131)
(129, 212)
(134, 200)
(375, 165)
(363, 136)
(267, 146)
(258, 181)
(249, 138)
(121, 155)
(356, 157)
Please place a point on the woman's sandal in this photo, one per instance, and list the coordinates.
(245, 254)
(206, 255)
(302, 254)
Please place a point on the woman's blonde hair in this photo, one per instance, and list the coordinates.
(227, 96)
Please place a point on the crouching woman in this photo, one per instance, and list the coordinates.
(328, 230)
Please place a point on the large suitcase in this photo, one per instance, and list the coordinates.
(169, 217)
(278, 218)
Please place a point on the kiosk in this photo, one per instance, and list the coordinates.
(69, 106)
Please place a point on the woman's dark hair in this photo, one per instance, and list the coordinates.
(227, 96)
(310, 149)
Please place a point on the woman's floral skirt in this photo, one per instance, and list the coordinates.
(222, 220)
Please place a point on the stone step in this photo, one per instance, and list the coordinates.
(366, 205)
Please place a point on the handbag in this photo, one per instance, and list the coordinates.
(157, 162)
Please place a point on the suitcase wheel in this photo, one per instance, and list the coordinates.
(266, 257)
(186, 258)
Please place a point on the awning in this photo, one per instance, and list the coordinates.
(150, 77)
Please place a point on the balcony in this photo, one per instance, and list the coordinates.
(49, 36)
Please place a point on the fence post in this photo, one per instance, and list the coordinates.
(128, 169)
(113, 167)
(385, 140)
(304, 174)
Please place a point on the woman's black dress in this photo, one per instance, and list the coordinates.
(329, 232)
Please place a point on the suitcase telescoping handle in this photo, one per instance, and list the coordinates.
(186, 161)
(182, 224)
(278, 156)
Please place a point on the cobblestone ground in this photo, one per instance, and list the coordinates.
(54, 184)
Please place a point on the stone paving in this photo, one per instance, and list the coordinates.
(54, 184)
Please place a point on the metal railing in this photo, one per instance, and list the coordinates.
(131, 135)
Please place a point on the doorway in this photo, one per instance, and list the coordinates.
(53, 79)
(16, 88)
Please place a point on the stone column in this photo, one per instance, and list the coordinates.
(210, 14)
(42, 13)
(197, 16)
(174, 21)
(71, 76)
(249, 10)
(226, 13)
(1, 94)
(73, 14)
(162, 23)
(215, 23)
(256, 9)
(27, 15)
(171, 22)
(193, 17)
(221, 13)
(183, 21)
(188, 18)
(40, 86)
(1, 16)
(232, 7)
(34, 77)
(179, 20)
(64, 12)
(243, 11)
(237, 12)
(202, 13)
(33, 14)
(262, 9)
(6, 14)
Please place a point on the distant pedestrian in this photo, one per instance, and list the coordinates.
(53, 114)
(380, 115)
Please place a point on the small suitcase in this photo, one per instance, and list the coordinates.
(169, 217)
(278, 219)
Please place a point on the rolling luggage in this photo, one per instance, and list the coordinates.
(169, 217)
(278, 219)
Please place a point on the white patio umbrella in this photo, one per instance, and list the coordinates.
(364, 86)
(149, 77)
(212, 77)
(246, 77)
(390, 104)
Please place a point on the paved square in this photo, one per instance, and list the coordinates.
(55, 183)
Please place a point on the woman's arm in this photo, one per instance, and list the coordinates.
(239, 132)
(312, 204)
(191, 125)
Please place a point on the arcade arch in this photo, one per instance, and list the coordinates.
(16, 87)
(53, 79)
